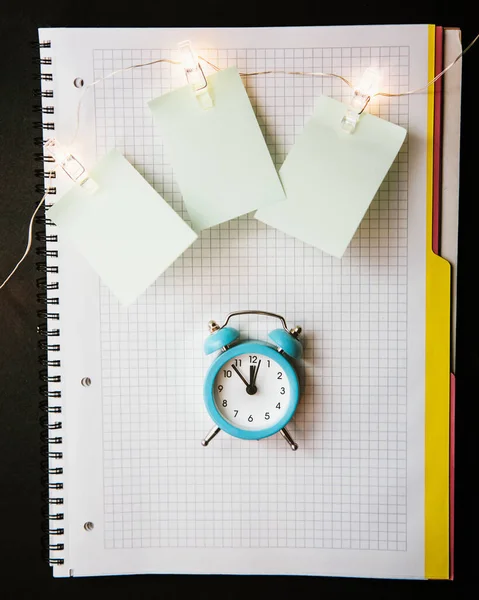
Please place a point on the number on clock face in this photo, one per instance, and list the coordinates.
(252, 391)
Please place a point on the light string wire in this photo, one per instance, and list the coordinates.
(97, 81)
(281, 71)
(216, 68)
(30, 229)
(433, 81)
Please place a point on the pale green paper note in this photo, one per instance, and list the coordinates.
(219, 156)
(125, 230)
(330, 177)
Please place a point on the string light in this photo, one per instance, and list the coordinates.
(365, 90)
(270, 72)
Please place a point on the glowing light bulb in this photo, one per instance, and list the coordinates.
(369, 82)
(367, 87)
(195, 74)
(189, 59)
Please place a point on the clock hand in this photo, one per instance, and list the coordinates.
(251, 375)
(251, 388)
(240, 376)
(253, 383)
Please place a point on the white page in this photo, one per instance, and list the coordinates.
(350, 501)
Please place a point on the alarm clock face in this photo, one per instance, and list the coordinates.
(254, 391)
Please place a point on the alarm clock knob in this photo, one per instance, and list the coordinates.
(287, 342)
(213, 326)
(219, 337)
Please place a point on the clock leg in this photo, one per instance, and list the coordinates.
(210, 436)
(285, 433)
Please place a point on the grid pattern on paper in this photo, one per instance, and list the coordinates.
(346, 486)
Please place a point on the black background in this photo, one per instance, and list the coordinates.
(23, 574)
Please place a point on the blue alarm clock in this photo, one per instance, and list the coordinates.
(251, 389)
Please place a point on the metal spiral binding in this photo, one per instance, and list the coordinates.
(50, 405)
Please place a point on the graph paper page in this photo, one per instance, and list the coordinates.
(350, 501)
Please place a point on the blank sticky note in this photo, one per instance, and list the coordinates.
(219, 156)
(125, 230)
(330, 177)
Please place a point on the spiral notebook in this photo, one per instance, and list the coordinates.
(131, 489)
